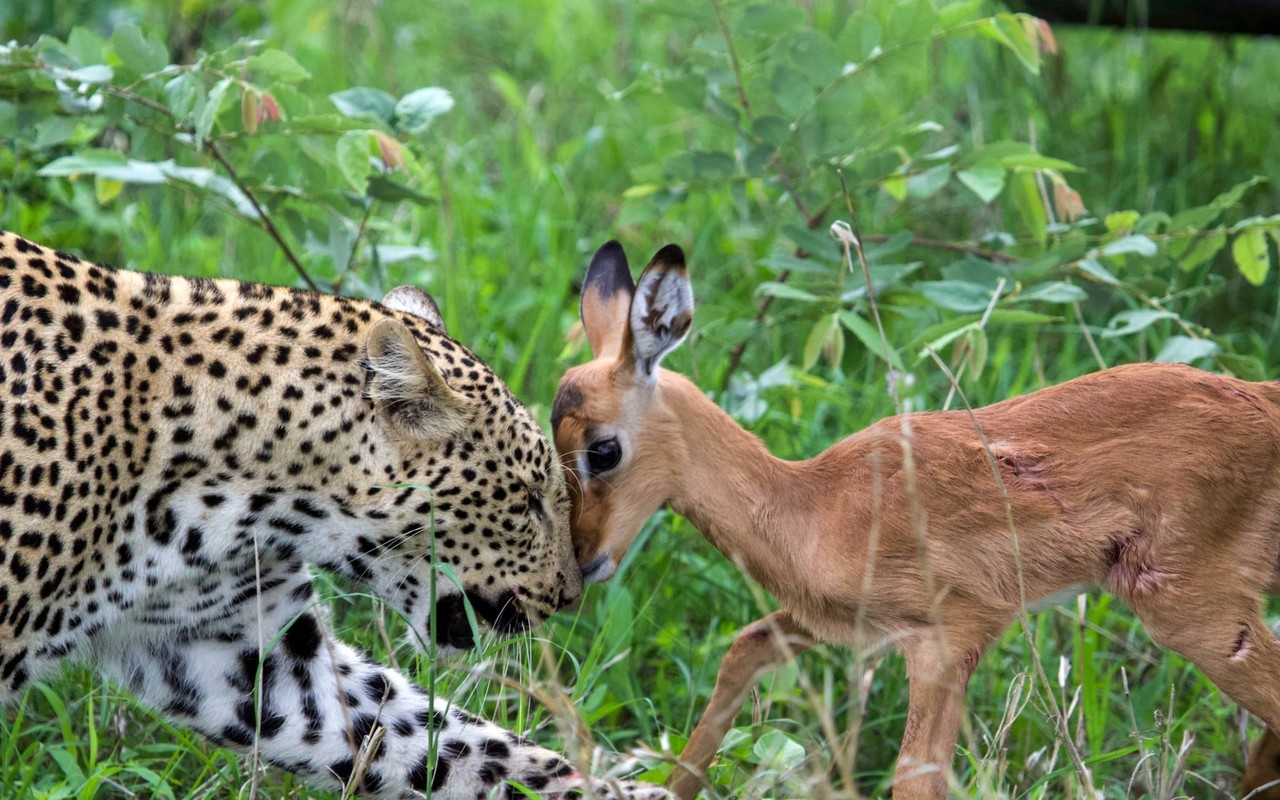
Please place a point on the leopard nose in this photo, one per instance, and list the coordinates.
(569, 600)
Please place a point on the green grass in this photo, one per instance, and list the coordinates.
(561, 108)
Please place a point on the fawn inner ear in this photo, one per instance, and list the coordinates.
(606, 299)
(661, 310)
(412, 300)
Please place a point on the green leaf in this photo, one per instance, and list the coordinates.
(362, 102)
(711, 165)
(276, 65)
(1184, 349)
(947, 338)
(1139, 245)
(820, 245)
(1013, 155)
(930, 182)
(826, 340)
(98, 73)
(1018, 316)
(137, 52)
(1012, 31)
(86, 162)
(770, 19)
(106, 189)
(415, 111)
(1252, 256)
(870, 338)
(383, 188)
(1093, 268)
(1204, 249)
(1135, 321)
(771, 130)
(184, 93)
(784, 263)
(1053, 292)
(8, 119)
(958, 13)
(1122, 220)
(1247, 367)
(85, 46)
(354, 159)
(883, 276)
(1196, 218)
(814, 55)
(896, 187)
(791, 90)
(785, 291)
(394, 253)
(984, 180)
(955, 295)
(777, 751)
(209, 114)
(910, 21)
(977, 355)
(1026, 197)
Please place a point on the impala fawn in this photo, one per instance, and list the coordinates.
(1159, 483)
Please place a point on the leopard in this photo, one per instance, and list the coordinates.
(180, 455)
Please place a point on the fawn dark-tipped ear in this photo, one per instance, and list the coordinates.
(661, 310)
(606, 299)
(407, 389)
(412, 300)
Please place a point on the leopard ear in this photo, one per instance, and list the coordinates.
(412, 300)
(407, 389)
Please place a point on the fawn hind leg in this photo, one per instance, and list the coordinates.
(1212, 615)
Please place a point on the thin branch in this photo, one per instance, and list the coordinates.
(262, 214)
(955, 247)
(733, 59)
(355, 245)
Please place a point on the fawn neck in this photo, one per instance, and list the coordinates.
(753, 506)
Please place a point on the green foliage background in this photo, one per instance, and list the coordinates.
(1028, 215)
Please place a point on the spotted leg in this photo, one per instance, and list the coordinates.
(316, 707)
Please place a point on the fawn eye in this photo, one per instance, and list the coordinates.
(603, 455)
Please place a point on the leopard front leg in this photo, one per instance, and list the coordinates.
(318, 708)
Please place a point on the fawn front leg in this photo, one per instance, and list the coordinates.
(314, 706)
(761, 647)
(939, 663)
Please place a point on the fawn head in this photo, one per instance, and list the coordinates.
(611, 425)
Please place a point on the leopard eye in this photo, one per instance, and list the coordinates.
(603, 455)
(534, 501)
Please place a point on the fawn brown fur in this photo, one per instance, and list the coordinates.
(930, 532)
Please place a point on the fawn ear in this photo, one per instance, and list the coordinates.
(606, 298)
(661, 311)
(412, 300)
(407, 389)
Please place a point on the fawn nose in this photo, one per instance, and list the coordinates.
(598, 569)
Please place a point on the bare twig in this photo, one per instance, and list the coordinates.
(355, 245)
(267, 222)
(955, 247)
(733, 59)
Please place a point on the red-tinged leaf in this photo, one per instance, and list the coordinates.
(389, 151)
(270, 111)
